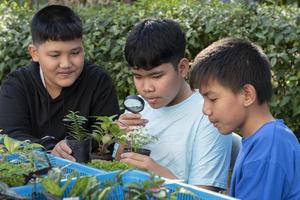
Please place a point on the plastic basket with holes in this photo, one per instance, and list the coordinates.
(118, 191)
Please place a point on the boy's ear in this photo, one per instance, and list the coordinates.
(249, 94)
(32, 49)
(183, 67)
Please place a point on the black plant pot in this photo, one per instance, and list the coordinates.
(81, 150)
(142, 151)
(107, 157)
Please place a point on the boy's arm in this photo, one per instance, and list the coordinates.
(14, 112)
(146, 162)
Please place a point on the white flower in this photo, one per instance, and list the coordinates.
(138, 137)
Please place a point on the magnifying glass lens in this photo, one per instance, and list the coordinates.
(134, 103)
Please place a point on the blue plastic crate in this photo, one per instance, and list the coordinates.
(35, 191)
(199, 192)
(118, 193)
(131, 176)
(83, 170)
(140, 176)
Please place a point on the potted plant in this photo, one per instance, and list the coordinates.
(135, 139)
(105, 132)
(79, 139)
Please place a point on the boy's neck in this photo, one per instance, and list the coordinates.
(257, 116)
(184, 93)
(52, 91)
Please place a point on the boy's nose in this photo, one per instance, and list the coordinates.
(206, 109)
(65, 63)
(148, 86)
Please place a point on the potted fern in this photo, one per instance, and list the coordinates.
(79, 139)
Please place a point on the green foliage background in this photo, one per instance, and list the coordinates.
(274, 28)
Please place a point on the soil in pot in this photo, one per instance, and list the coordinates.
(81, 150)
(142, 151)
(96, 155)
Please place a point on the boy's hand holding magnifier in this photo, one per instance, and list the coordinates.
(134, 104)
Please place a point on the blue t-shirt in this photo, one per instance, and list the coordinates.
(268, 165)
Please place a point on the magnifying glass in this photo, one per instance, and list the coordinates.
(134, 103)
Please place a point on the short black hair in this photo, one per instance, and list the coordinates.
(56, 23)
(153, 42)
(233, 63)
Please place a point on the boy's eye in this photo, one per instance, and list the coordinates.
(75, 52)
(157, 76)
(54, 55)
(213, 99)
(137, 77)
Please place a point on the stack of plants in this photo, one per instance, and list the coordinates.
(125, 184)
(20, 160)
(105, 131)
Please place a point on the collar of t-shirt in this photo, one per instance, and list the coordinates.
(42, 77)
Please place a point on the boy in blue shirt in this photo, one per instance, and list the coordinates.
(188, 146)
(235, 79)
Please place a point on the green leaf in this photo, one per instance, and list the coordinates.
(52, 187)
(79, 186)
(104, 193)
(278, 39)
(106, 139)
(69, 179)
(273, 61)
(11, 144)
(285, 100)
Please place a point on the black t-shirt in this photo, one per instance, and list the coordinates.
(27, 111)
